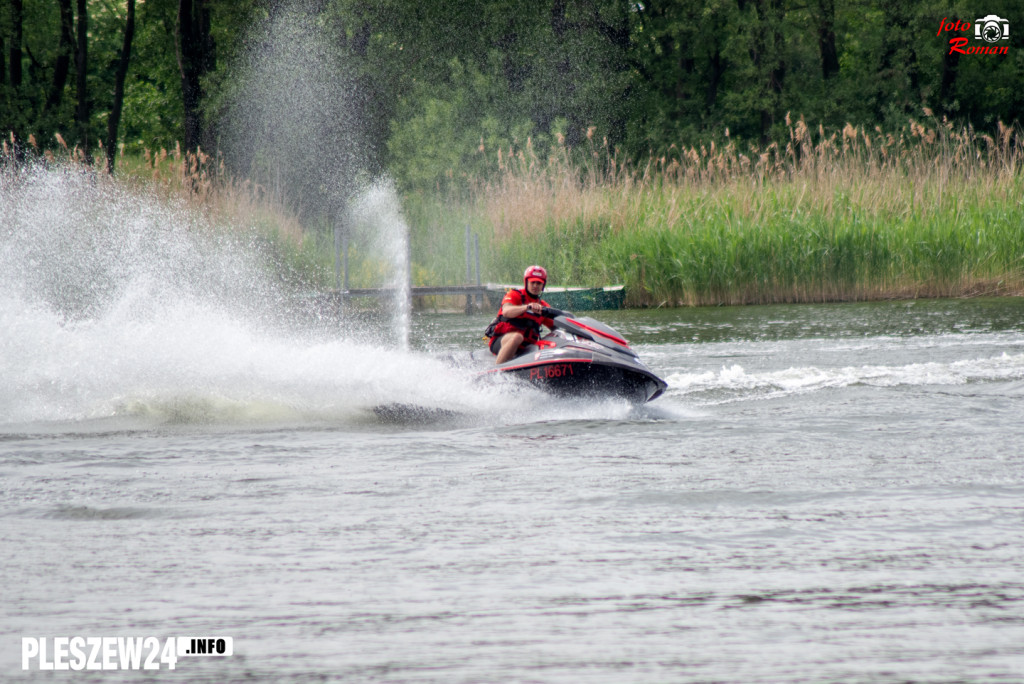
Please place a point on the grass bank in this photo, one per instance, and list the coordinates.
(854, 215)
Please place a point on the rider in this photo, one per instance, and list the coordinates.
(519, 318)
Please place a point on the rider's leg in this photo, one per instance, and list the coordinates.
(509, 344)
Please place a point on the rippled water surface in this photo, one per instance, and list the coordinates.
(825, 493)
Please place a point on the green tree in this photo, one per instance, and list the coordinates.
(114, 122)
(451, 78)
(432, 91)
(197, 57)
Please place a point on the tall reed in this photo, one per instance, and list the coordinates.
(932, 210)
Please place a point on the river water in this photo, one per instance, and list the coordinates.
(825, 493)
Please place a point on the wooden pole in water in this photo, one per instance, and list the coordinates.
(469, 273)
(337, 255)
(340, 257)
(479, 293)
(343, 293)
(344, 258)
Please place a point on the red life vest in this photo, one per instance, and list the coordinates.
(528, 323)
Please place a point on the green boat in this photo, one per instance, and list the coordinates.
(568, 298)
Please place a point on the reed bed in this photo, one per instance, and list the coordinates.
(930, 211)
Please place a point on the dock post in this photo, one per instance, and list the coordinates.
(344, 261)
(340, 261)
(337, 254)
(479, 285)
(469, 273)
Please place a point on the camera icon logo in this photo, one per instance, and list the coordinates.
(991, 29)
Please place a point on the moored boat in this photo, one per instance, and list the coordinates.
(610, 297)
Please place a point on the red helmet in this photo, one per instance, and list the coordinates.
(535, 273)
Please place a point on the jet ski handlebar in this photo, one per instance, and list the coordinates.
(550, 312)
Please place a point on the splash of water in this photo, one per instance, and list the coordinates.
(294, 123)
(117, 304)
(378, 214)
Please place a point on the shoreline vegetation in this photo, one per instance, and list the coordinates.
(850, 215)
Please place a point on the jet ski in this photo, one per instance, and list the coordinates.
(583, 357)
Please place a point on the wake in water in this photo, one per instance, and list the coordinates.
(114, 304)
(734, 383)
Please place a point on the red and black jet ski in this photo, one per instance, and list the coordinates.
(583, 357)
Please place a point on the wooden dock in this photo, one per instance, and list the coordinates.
(488, 296)
(443, 290)
(476, 295)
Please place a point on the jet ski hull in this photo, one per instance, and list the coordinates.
(588, 378)
(583, 357)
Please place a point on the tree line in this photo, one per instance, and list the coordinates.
(435, 90)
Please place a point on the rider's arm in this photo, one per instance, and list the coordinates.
(516, 310)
